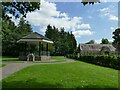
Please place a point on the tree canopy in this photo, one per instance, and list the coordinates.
(12, 33)
(18, 8)
(104, 41)
(64, 42)
(116, 37)
(22, 8)
(91, 42)
(90, 1)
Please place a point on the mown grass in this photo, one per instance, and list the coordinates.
(58, 58)
(53, 58)
(8, 58)
(69, 75)
(2, 65)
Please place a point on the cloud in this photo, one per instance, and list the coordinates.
(48, 14)
(109, 13)
(89, 17)
(112, 28)
(98, 41)
(112, 17)
(80, 33)
(84, 26)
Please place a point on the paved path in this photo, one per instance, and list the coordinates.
(11, 67)
(14, 66)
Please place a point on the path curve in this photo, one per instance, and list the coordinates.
(14, 66)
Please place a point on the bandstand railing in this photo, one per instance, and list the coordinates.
(43, 55)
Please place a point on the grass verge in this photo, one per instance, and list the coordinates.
(58, 58)
(6, 58)
(70, 75)
(2, 65)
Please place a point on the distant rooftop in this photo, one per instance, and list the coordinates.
(96, 46)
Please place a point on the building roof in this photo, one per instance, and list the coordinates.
(96, 47)
(35, 37)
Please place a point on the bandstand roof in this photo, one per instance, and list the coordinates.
(35, 37)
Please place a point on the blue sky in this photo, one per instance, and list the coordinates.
(90, 22)
(101, 25)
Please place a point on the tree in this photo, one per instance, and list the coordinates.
(64, 42)
(24, 28)
(12, 33)
(72, 43)
(52, 33)
(90, 1)
(91, 42)
(116, 37)
(18, 8)
(104, 41)
(22, 8)
(78, 49)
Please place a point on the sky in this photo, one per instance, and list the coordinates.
(90, 22)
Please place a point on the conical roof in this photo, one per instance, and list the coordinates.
(35, 37)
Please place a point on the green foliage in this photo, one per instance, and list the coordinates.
(104, 41)
(90, 1)
(102, 60)
(64, 42)
(2, 65)
(77, 75)
(24, 28)
(12, 33)
(78, 49)
(116, 37)
(91, 42)
(18, 8)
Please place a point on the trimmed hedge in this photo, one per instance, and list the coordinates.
(102, 60)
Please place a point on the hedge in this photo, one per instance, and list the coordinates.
(102, 60)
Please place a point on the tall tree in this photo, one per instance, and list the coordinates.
(64, 42)
(73, 43)
(24, 28)
(11, 33)
(91, 42)
(116, 37)
(104, 41)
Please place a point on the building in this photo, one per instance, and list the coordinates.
(97, 49)
(41, 53)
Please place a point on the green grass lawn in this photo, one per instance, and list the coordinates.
(58, 58)
(69, 75)
(7, 58)
(53, 58)
(2, 65)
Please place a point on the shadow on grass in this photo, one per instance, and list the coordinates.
(32, 84)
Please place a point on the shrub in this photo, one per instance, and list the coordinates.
(102, 60)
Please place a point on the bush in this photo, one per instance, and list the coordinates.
(102, 60)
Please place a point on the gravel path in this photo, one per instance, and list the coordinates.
(14, 66)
